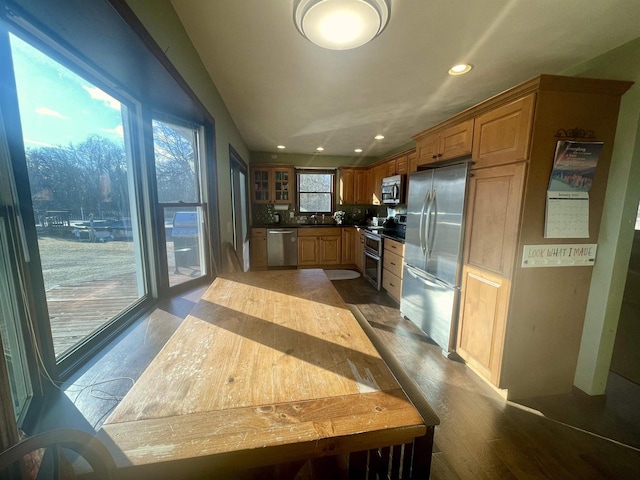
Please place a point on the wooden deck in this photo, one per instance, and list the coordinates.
(77, 310)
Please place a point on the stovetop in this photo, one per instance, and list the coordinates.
(395, 227)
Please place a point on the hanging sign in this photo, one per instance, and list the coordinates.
(562, 255)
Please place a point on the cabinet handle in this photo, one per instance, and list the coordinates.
(392, 264)
(434, 156)
(439, 155)
(391, 283)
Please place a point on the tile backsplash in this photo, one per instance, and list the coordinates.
(262, 214)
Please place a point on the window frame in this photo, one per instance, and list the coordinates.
(316, 171)
(59, 31)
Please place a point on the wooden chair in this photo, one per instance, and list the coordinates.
(54, 441)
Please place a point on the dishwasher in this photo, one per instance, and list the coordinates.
(282, 247)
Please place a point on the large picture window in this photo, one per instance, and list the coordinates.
(83, 194)
(315, 191)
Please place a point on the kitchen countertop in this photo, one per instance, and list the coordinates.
(324, 225)
(304, 225)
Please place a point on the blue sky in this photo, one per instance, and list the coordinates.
(58, 107)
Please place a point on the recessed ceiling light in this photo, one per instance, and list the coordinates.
(358, 150)
(281, 147)
(320, 149)
(379, 137)
(460, 69)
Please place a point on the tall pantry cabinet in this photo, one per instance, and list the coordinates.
(520, 328)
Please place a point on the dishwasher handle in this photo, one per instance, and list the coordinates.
(281, 232)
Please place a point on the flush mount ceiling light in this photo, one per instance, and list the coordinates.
(341, 24)
(379, 137)
(460, 69)
(281, 147)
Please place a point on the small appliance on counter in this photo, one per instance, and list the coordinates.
(276, 218)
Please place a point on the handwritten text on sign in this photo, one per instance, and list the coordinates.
(564, 255)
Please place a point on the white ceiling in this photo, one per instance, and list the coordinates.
(282, 89)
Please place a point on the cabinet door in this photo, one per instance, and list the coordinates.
(493, 215)
(456, 141)
(379, 172)
(402, 165)
(330, 250)
(503, 135)
(308, 251)
(413, 162)
(258, 252)
(391, 168)
(260, 185)
(481, 328)
(347, 187)
(282, 186)
(348, 245)
(427, 149)
(360, 251)
(361, 187)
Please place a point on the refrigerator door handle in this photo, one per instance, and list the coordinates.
(432, 222)
(415, 273)
(423, 241)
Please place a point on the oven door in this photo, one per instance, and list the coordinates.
(373, 269)
(373, 243)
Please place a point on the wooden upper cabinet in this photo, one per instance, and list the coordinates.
(379, 172)
(260, 185)
(450, 142)
(282, 185)
(412, 160)
(493, 214)
(391, 168)
(502, 135)
(347, 186)
(427, 149)
(362, 190)
(456, 141)
(272, 185)
(402, 165)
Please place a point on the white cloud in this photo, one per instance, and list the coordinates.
(119, 130)
(50, 113)
(36, 142)
(98, 94)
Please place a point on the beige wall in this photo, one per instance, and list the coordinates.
(618, 220)
(162, 22)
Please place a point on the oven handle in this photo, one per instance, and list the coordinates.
(371, 254)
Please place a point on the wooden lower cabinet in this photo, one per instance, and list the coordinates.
(360, 250)
(348, 245)
(483, 315)
(319, 246)
(258, 249)
(392, 263)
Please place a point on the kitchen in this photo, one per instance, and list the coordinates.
(164, 38)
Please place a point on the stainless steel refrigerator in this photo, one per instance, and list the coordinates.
(433, 250)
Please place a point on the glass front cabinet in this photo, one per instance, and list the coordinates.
(272, 185)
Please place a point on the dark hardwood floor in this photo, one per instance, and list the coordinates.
(481, 435)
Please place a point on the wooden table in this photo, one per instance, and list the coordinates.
(269, 368)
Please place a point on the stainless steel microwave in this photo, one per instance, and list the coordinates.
(393, 190)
